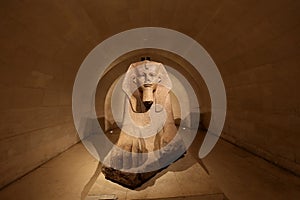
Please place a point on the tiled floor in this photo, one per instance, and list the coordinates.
(238, 174)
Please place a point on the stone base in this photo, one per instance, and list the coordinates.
(184, 179)
(126, 179)
(133, 180)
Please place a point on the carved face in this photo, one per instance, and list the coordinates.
(147, 78)
(147, 75)
(146, 82)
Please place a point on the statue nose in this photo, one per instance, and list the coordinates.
(147, 79)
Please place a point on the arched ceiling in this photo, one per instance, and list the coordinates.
(226, 29)
(234, 32)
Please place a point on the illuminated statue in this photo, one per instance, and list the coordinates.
(148, 114)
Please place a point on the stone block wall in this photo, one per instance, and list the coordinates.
(41, 50)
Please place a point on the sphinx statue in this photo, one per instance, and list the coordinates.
(148, 122)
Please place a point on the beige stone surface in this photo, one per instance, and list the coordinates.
(255, 45)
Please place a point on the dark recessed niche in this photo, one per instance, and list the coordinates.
(145, 58)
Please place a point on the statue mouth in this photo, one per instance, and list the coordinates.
(148, 85)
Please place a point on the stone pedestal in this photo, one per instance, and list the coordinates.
(183, 179)
(129, 180)
(151, 164)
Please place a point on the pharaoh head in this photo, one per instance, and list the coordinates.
(145, 83)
